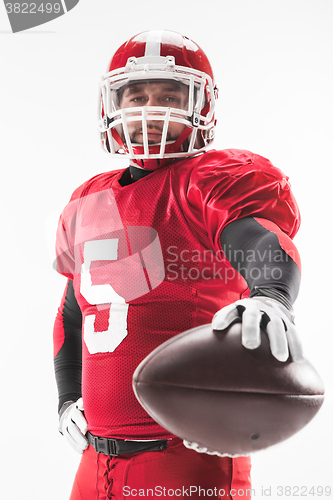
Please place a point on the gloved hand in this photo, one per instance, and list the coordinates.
(278, 321)
(73, 426)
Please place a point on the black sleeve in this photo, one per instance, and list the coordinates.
(68, 361)
(255, 252)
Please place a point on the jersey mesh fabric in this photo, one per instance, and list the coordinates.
(168, 266)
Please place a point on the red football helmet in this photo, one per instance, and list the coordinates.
(182, 116)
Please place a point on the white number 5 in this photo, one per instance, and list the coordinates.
(105, 341)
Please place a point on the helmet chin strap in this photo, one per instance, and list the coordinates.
(182, 138)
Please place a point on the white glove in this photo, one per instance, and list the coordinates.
(200, 449)
(73, 426)
(280, 328)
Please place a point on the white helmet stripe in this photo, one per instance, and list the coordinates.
(153, 43)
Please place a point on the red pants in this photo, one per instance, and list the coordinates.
(175, 472)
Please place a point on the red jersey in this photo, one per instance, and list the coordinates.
(146, 263)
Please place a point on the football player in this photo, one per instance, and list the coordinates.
(180, 238)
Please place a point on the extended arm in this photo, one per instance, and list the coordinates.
(269, 262)
(266, 258)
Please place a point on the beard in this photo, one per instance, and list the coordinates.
(154, 133)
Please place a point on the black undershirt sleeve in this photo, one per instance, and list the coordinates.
(68, 361)
(256, 253)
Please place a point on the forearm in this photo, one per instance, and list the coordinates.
(266, 258)
(67, 336)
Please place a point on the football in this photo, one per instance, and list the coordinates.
(205, 387)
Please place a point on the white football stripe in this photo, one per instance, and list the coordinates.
(153, 44)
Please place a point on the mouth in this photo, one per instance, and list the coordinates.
(153, 135)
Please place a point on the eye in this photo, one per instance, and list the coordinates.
(138, 99)
(171, 100)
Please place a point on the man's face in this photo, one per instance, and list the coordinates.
(166, 94)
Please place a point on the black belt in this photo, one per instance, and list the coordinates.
(109, 446)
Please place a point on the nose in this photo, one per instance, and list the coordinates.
(152, 101)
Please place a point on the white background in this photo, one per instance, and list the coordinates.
(273, 65)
